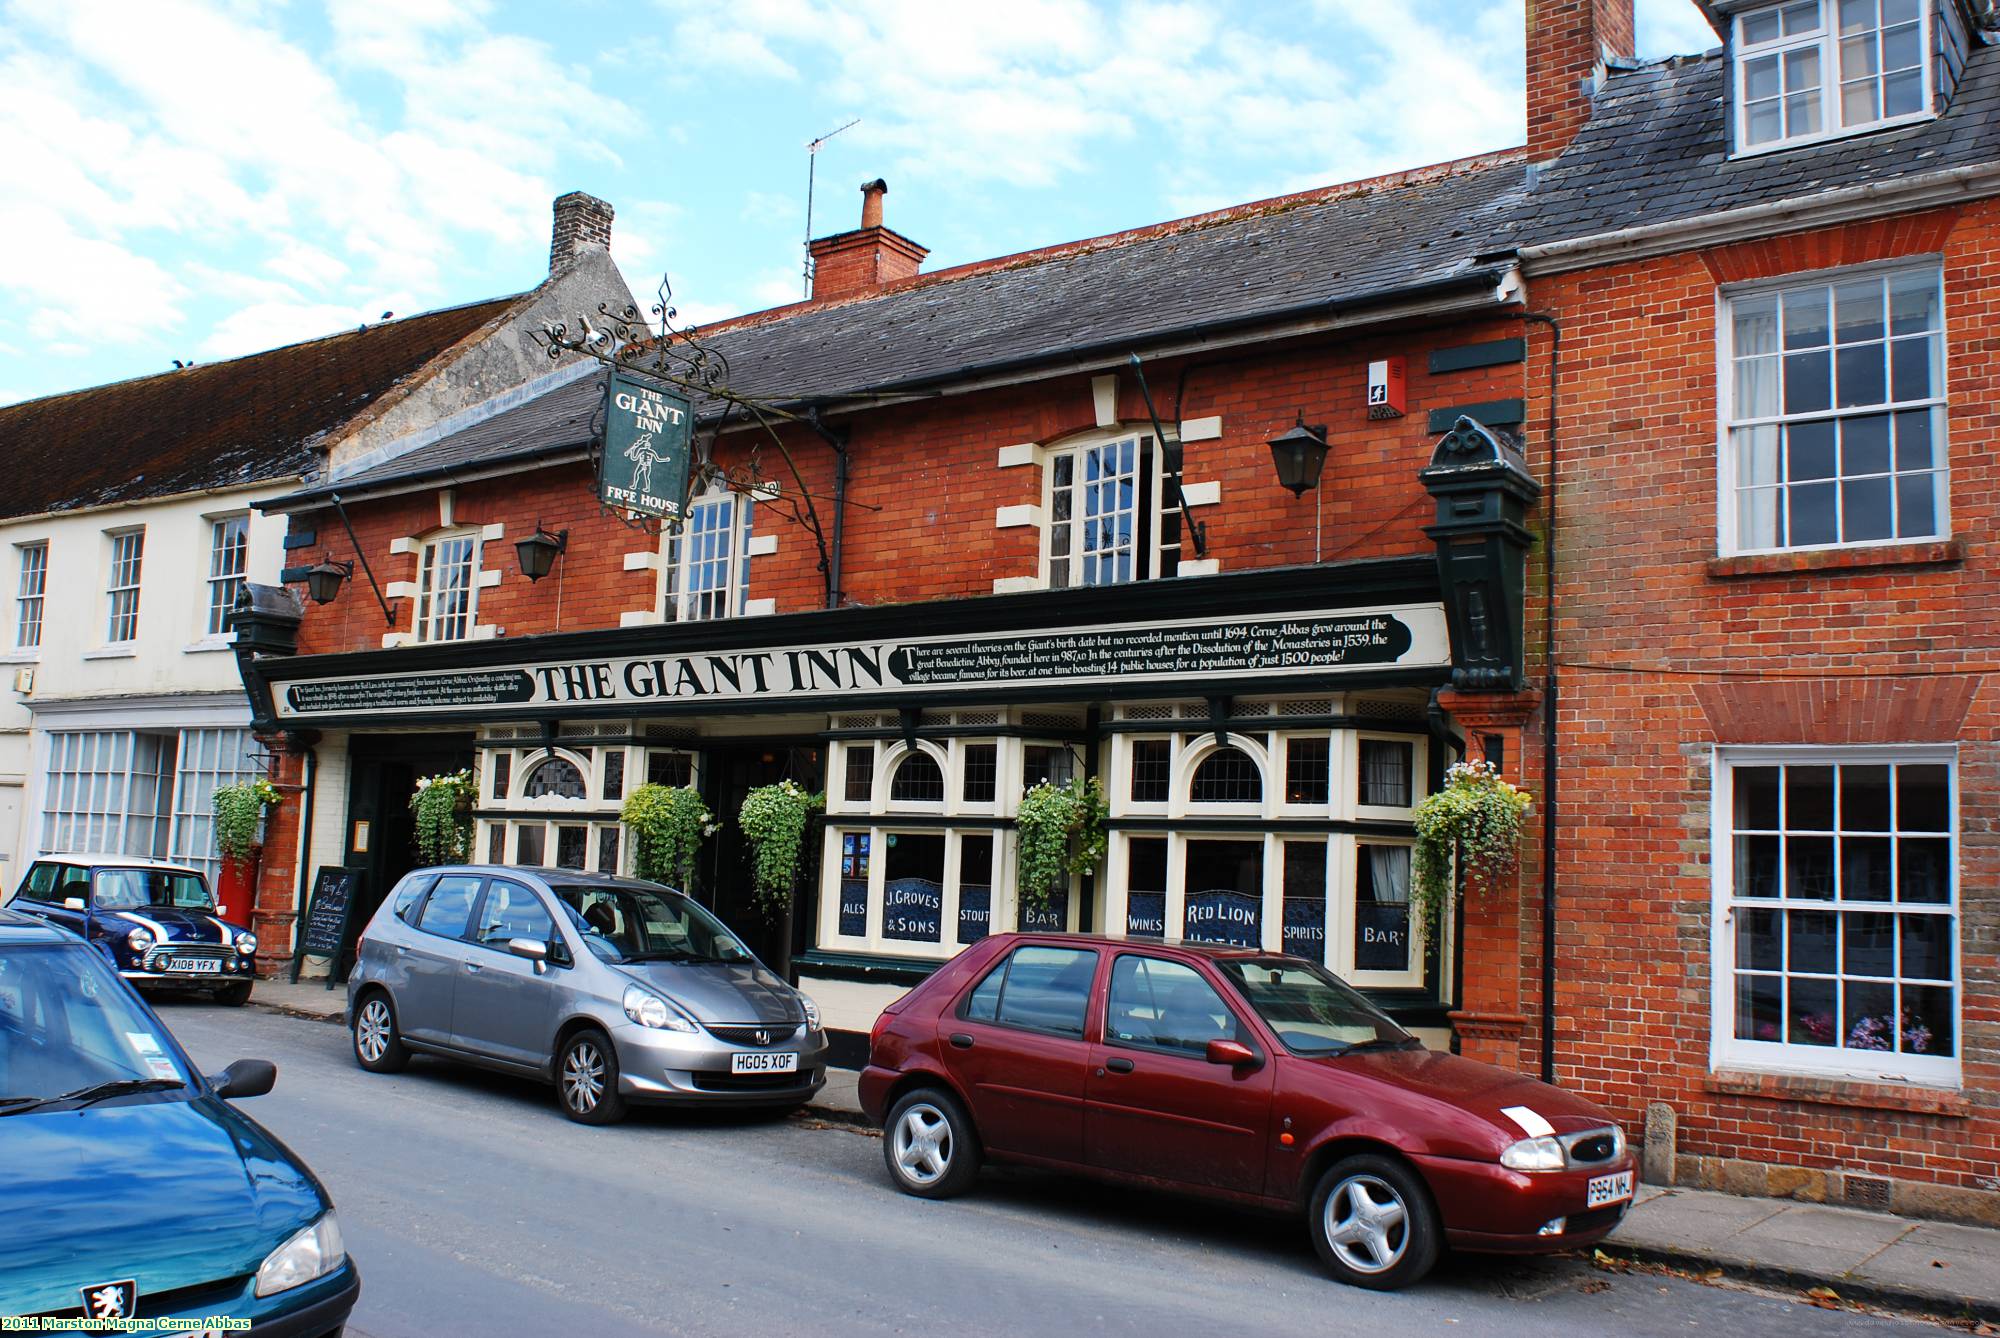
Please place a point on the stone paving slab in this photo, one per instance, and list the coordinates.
(1959, 1260)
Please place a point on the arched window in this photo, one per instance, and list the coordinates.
(1227, 776)
(918, 780)
(554, 776)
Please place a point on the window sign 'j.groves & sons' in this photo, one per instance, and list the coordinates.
(647, 433)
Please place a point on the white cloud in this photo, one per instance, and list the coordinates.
(1673, 28)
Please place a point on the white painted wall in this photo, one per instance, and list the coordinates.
(172, 653)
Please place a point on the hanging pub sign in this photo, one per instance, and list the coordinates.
(1203, 652)
(648, 434)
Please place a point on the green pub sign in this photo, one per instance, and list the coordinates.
(647, 442)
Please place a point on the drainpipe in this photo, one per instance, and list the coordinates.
(1549, 703)
(835, 596)
(310, 786)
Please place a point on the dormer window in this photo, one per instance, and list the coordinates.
(1810, 70)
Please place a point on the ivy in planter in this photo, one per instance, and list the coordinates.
(1473, 822)
(443, 809)
(773, 819)
(239, 815)
(1061, 833)
(669, 823)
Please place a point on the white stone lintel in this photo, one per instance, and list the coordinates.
(1012, 517)
(1206, 493)
(1201, 429)
(1021, 454)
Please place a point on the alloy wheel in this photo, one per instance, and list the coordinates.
(583, 1077)
(1367, 1223)
(371, 1031)
(923, 1144)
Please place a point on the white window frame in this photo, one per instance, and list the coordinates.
(1726, 1051)
(228, 569)
(1826, 41)
(692, 548)
(431, 623)
(208, 758)
(122, 580)
(24, 597)
(1728, 423)
(1002, 900)
(1146, 557)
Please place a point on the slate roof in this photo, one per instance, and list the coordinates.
(1347, 246)
(1656, 150)
(214, 425)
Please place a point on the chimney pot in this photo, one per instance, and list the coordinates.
(871, 202)
(581, 220)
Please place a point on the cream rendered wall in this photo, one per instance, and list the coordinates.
(172, 654)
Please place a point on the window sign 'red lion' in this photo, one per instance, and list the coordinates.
(644, 465)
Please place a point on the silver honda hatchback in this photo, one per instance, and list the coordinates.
(613, 989)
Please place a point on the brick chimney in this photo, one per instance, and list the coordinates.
(1569, 42)
(581, 220)
(868, 257)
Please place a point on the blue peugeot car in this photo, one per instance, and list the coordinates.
(129, 1187)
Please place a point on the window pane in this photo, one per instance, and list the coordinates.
(1811, 451)
(1870, 1017)
(1047, 989)
(1226, 776)
(1911, 362)
(1760, 944)
(1308, 771)
(982, 767)
(918, 780)
(1809, 798)
(1756, 791)
(1152, 770)
(913, 886)
(1305, 899)
(1928, 1025)
(1759, 1007)
(1923, 799)
(528, 843)
(1865, 868)
(1927, 946)
(607, 850)
(1164, 1005)
(1146, 887)
(449, 906)
(1812, 1015)
(860, 772)
(854, 884)
(1864, 445)
(975, 887)
(1867, 510)
(1862, 376)
(1382, 908)
(1923, 870)
(1809, 867)
(1223, 891)
(572, 843)
(1757, 866)
(554, 777)
(1386, 772)
(1868, 945)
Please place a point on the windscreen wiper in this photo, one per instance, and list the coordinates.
(84, 1096)
(1380, 1043)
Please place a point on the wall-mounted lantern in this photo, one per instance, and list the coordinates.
(1484, 496)
(323, 581)
(539, 551)
(1299, 452)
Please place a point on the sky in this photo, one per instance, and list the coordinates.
(200, 179)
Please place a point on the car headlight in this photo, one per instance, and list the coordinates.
(246, 944)
(1617, 1141)
(650, 1010)
(139, 940)
(812, 1012)
(1534, 1154)
(311, 1253)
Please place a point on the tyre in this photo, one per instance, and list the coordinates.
(234, 996)
(587, 1079)
(1373, 1223)
(929, 1145)
(378, 1045)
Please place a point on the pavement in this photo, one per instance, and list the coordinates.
(1834, 1254)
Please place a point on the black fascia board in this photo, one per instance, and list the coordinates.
(1372, 582)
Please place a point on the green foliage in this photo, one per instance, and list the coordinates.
(239, 815)
(773, 819)
(669, 823)
(443, 808)
(1474, 822)
(1061, 833)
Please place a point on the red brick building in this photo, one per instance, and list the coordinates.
(978, 562)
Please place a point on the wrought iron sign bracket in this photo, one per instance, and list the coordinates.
(388, 613)
(1170, 464)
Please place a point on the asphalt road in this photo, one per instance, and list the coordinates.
(473, 1206)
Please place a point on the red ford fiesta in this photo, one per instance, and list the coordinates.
(1241, 1074)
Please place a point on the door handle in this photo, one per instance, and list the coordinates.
(961, 1041)
(472, 966)
(1118, 1065)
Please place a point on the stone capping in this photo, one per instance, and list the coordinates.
(1854, 1093)
(1929, 553)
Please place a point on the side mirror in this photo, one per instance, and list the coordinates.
(533, 949)
(246, 1077)
(72, 903)
(1233, 1053)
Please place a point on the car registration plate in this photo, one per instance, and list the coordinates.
(765, 1061)
(195, 966)
(1605, 1189)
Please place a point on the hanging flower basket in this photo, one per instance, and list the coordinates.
(1061, 832)
(443, 808)
(1473, 824)
(239, 816)
(774, 819)
(669, 823)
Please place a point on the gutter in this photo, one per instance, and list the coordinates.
(1824, 209)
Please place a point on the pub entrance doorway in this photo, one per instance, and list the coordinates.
(727, 877)
(381, 830)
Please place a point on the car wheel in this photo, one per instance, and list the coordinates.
(587, 1080)
(929, 1145)
(234, 996)
(378, 1046)
(1373, 1223)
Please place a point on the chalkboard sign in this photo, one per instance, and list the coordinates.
(329, 919)
(912, 908)
(1224, 915)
